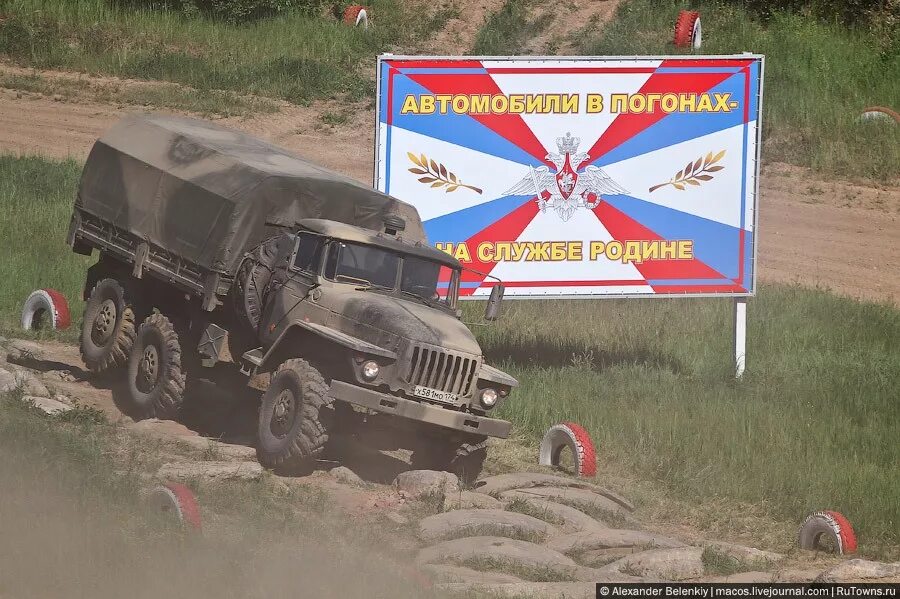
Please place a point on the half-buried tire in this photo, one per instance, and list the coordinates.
(294, 417)
(155, 378)
(688, 32)
(107, 333)
(176, 501)
(824, 531)
(572, 436)
(45, 307)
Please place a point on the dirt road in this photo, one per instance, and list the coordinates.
(834, 234)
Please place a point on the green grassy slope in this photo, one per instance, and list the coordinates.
(295, 57)
(813, 426)
(818, 80)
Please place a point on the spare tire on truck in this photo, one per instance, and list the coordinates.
(107, 333)
(252, 281)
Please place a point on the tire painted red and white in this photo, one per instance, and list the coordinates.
(45, 306)
(831, 525)
(688, 31)
(577, 440)
(356, 15)
(176, 501)
(880, 113)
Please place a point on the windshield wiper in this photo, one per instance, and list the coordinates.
(424, 300)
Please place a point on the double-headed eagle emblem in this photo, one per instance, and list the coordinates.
(567, 189)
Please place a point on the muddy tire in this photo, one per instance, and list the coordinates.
(155, 377)
(295, 417)
(464, 459)
(107, 333)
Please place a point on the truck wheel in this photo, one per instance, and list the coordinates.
(465, 459)
(155, 379)
(294, 417)
(107, 333)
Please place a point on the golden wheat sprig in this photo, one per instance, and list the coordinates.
(694, 172)
(436, 174)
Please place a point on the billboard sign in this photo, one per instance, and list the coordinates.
(579, 177)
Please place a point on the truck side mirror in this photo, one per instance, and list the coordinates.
(492, 310)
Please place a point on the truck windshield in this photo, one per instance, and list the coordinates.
(368, 265)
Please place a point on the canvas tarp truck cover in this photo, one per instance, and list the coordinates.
(208, 194)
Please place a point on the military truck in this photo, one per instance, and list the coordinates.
(216, 248)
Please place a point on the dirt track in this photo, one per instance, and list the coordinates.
(840, 235)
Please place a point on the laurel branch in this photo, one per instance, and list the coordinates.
(694, 172)
(436, 174)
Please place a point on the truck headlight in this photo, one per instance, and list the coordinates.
(369, 370)
(489, 398)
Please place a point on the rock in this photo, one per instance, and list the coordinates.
(538, 590)
(860, 570)
(482, 523)
(396, 518)
(31, 385)
(48, 405)
(426, 483)
(609, 538)
(463, 500)
(345, 475)
(494, 485)
(573, 520)
(449, 573)
(582, 498)
(63, 375)
(667, 564)
(518, 552)
(796, 575)
(7, 381)
(744, 554)
(12, 379)
(743, 577)
(225, 450)
(216, 471)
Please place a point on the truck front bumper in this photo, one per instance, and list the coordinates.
(423, 412)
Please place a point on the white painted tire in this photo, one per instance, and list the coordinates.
(832, 525)
(573, 436)
(45, 304)
(176, 501)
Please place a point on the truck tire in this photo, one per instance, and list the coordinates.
(155, 378)
(464, 459)
(107, 333)
(833, 528)
(294, 418)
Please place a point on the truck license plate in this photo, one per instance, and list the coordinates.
(434, 394)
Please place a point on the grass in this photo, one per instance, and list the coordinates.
(819, 78)
(718, 563)
(812, 425)
(507, 30)
(524, 507)
(523, 571)
(36, 198)
(295, 57)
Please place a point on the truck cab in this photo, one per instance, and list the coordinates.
(379, 318)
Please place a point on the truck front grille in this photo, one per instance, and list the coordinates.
(441, 370)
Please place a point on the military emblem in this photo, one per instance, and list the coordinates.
(567, 189)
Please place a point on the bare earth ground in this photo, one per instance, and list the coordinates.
(814, 231)
(629, 557)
